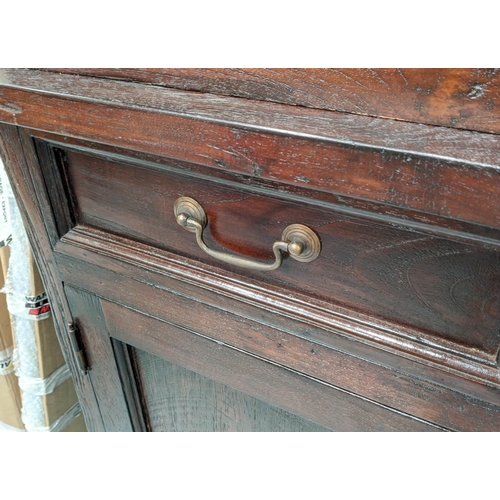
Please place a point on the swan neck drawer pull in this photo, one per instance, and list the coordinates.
(299, 241)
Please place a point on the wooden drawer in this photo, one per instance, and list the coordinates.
(416, 292)
(444, 291)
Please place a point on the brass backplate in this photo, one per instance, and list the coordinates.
(307, 237)
(190, 207)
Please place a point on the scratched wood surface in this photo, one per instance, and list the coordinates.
(291, 337)
(447, 289)
(89, 317)
(178, 399)
(439, 171)
(318, 402)
(461, 98)
(395, 327)
(22, 167)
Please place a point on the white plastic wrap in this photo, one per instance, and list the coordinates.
(41, 386)
(25, 310)
(30, 307)
(5, 229)
(61, 423)
(17, 285)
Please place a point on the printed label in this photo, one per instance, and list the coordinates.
(6, 364)
(6, 241)
(38, 306)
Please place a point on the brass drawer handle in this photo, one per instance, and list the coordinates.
(299, 241)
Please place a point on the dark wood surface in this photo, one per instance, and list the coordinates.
(427, 223)
(126, 365)
(86, 253)
(182, 400)
(453, 174)
(462, 98)
(22, 167)
(447, 290)
(394, 327)
(409, 385)
(319, 402)
(87, 310)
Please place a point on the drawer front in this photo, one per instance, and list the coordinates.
(431, 289)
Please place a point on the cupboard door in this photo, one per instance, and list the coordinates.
(140, 391)
(149, 374)
(103, 356)
(178, 399)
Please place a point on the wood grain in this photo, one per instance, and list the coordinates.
(396, 216)
(291, 337)
(395, 163)
(448, 290)
(312, 317)
(126, 363)
(89, 318)
(303, 396)
(182, 400)
(451, 97)
(394, 327)
(21, 164)
(53, 181)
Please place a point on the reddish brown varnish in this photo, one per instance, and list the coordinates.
(459, 98)
(394, 327)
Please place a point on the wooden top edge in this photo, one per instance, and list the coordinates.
(468, 147)
(463, 98)
(430, 170)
